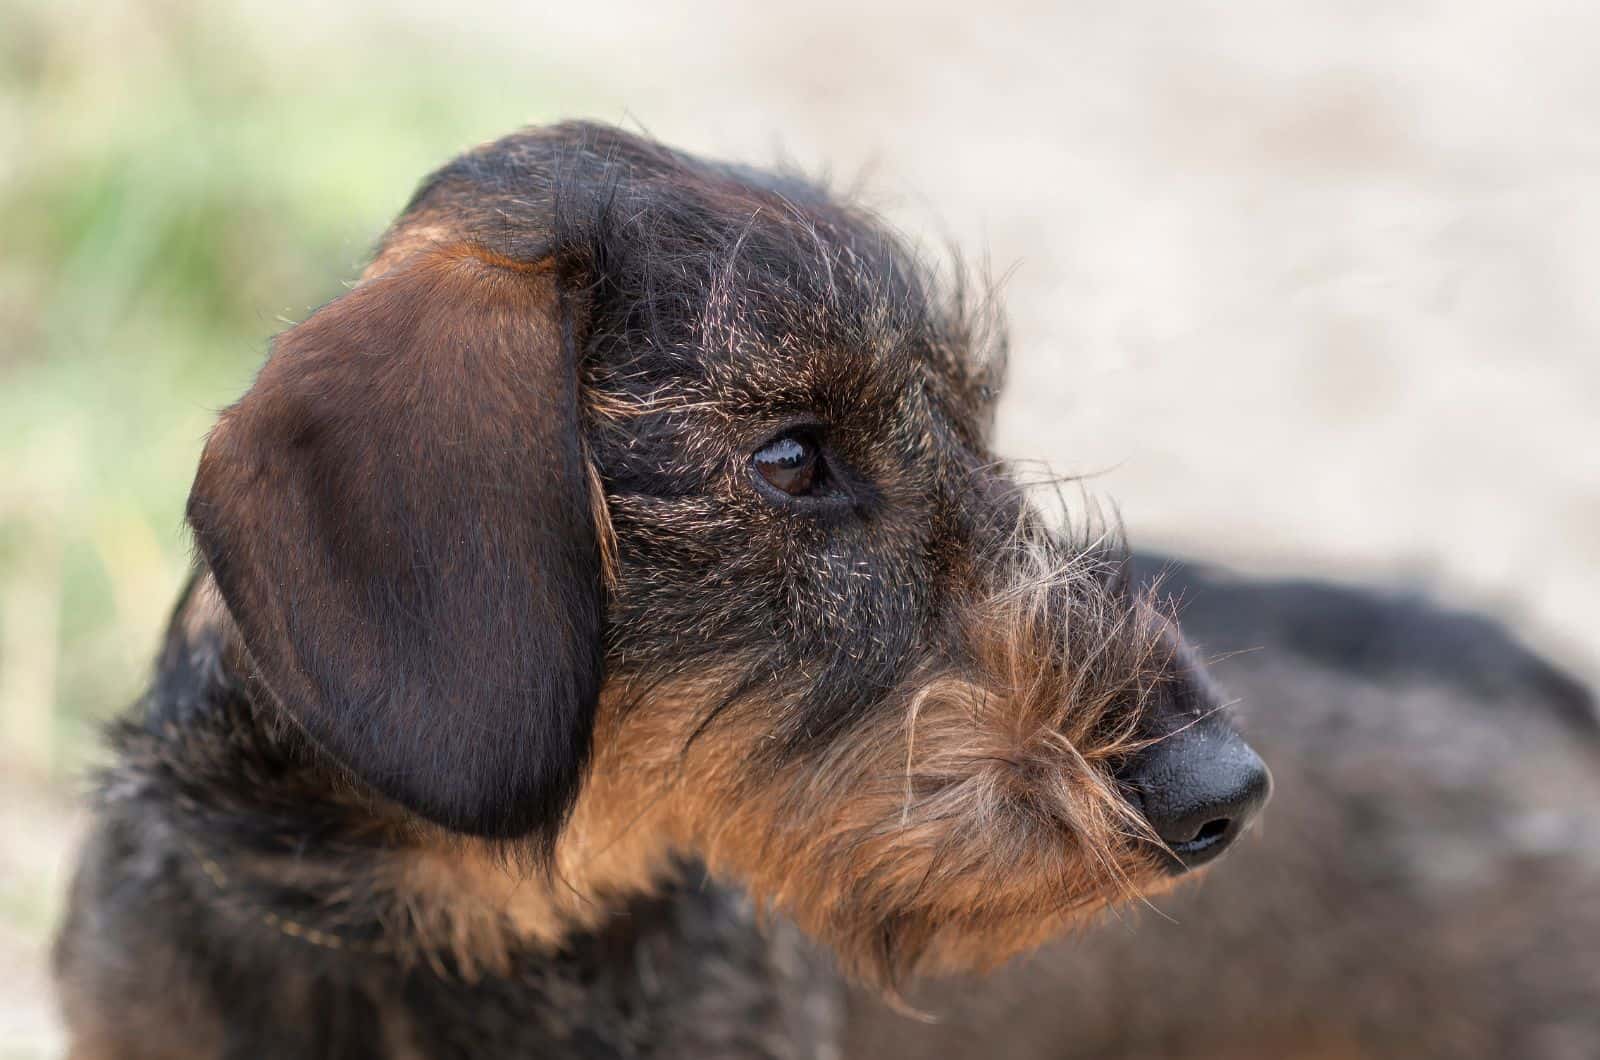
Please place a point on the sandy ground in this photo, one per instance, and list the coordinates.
(1302, 287)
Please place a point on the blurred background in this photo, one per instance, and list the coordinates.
(1302, 287)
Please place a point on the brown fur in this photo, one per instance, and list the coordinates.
(1422, 886)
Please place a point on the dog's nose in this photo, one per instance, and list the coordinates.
(1200, 788)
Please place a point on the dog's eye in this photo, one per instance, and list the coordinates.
(790, 463)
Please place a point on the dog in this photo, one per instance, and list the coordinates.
(1423, 886)
(611, 633)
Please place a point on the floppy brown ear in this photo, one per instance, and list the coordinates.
(397, 516)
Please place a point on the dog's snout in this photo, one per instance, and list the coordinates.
(1200, 788)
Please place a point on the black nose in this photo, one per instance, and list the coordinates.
(1200, 788)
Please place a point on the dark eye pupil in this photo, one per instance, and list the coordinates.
(788, 463)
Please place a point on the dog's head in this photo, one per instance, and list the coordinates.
(624, 476)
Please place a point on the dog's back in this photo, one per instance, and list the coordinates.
(1423, 886)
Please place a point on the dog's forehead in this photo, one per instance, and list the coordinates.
(787, 293)
(750, 285)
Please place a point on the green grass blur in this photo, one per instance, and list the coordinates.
(177, 183)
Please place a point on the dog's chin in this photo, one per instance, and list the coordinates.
(890, 949)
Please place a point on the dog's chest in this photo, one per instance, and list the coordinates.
(689, 974)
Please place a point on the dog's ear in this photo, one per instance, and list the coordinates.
(397, 515)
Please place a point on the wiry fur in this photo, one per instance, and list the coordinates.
(972, 814)
(496, 628)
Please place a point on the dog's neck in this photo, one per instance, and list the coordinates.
(473, 901)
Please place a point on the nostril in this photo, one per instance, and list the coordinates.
(1193, 846)
(1196, 846)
